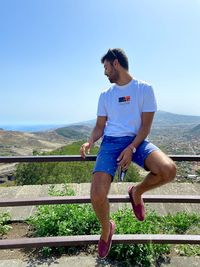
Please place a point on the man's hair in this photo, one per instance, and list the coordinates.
(116, 53)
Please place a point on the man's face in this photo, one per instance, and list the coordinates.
(111, 72)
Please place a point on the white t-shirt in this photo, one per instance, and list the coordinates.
(123, 106)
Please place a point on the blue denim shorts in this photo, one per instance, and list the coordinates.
(110, 149)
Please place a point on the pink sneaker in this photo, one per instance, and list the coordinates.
(139, 209)
(104, 247)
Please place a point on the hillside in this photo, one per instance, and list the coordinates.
(19, 143)
(163, 118)
(195, 131)
(75, 131)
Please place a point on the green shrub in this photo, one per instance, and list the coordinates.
(180, 223)
(142, 254)
(188, 250)
(63, 172)
(4, 227)
(198, 172)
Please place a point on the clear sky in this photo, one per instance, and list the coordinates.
(50, 50)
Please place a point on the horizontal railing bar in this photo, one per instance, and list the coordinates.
(185, 157)
(86, 199)
(67, 158)
(93, 239)
(51, 158)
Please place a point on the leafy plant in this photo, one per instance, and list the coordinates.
(180, 223)
(188, 250)
(142, 254)
(4, 227)
(198, 172)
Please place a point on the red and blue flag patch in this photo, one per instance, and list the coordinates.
(124, 99)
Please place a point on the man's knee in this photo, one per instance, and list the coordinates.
(99, 188)
(168, 171)
(98, 197)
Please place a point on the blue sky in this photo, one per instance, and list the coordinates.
(50, 50)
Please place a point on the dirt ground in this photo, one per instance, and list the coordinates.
(22, 230)
(18, 230)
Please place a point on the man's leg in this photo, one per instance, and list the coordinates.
(99, 190)
(162, 171)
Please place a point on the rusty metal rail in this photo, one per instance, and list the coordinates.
(67, 158)
(86, 199)
(93, 239)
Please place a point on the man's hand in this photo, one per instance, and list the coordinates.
(125, 158)
(85, 148)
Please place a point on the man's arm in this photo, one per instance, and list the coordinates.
(147, 119)
(98, 129)
(125, 157)
(95, 135)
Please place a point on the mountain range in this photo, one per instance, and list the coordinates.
(24, 142)
(162, 118)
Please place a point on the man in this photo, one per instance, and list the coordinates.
(124, 118)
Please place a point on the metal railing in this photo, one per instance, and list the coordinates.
(93, 239)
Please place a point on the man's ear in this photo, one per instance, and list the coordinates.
(116, 63)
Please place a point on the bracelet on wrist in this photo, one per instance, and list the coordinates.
(133, 149)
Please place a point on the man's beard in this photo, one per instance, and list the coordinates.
(114, 77)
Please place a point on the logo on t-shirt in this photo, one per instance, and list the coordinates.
(124, 100)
